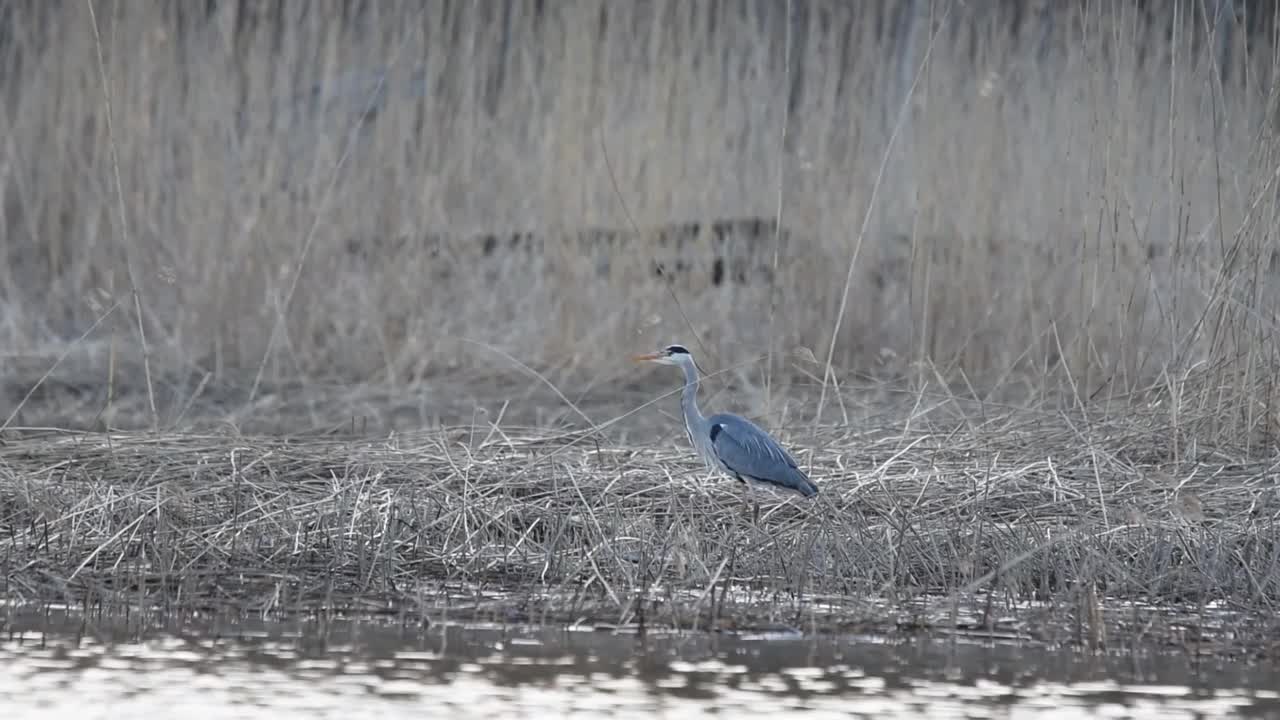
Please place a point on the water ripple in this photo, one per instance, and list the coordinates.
(357, 670)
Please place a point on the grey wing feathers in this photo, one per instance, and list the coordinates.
(748, 451)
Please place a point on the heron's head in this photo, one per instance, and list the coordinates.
(669, 355)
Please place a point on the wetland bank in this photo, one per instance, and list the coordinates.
(299, 324)
(1029, 527)
(956, 568)
(505, 568)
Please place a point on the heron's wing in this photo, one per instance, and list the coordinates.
(747, 450)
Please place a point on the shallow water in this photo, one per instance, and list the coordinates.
(59, 665)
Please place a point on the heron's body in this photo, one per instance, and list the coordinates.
(731, 443)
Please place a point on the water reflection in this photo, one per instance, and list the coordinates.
(57, 663)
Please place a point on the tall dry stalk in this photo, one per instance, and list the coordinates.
(1089, 212)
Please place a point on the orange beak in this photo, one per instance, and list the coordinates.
(646, 357)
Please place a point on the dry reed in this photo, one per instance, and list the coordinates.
(1029, 509)
(1075, 203)
(335, 213)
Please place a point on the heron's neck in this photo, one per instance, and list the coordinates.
(689, 399)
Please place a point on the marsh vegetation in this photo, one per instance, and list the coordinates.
(331, 307)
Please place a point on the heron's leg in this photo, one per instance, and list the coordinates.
(748, 496)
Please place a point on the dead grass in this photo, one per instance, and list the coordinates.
(317, 214)
(305, 196)
(1025, 509)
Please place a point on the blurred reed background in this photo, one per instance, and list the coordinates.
(1078, 202)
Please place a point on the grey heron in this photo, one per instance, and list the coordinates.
(731, 443)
